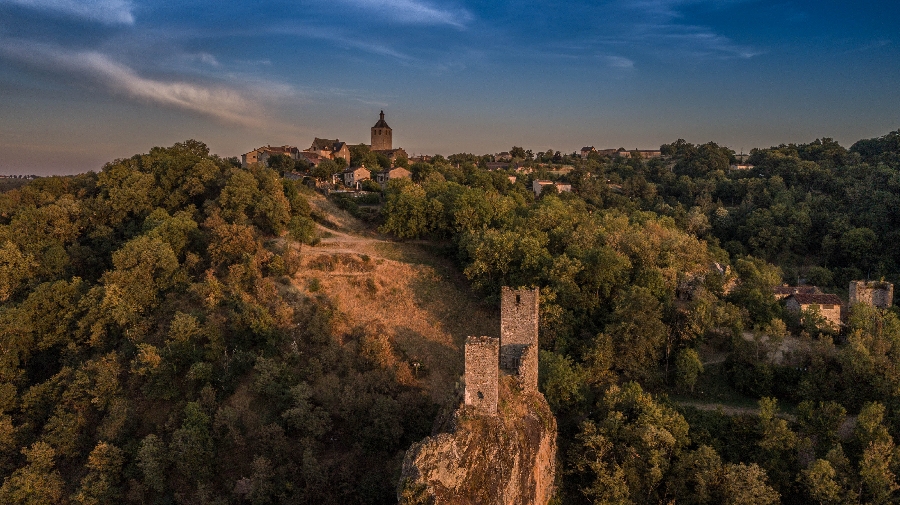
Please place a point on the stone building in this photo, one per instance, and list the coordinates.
(262, 154)
(875, 293)
(829, 306)
(587, 151)
(515, 353)
(353, 176)
(381, 136)
(538, 186)
(519, 334)
(482, 374)
(330, 149)
(395, 173)
(782, 292)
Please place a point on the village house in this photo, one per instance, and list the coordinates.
(586, 151)
(394, 173)
(784, 291)
(638, 153)
(538, 186)
(828, 305)
(312, 158)
(329, 149)
(353, 176)
(262, 154)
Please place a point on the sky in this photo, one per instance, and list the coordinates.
(84, 82)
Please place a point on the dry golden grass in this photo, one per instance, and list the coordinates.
(408, 296)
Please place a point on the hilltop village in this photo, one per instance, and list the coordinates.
(352, 170)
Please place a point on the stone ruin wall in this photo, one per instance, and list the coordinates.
(876, 294)
(482, 374)
(528, 369)
(518, 330)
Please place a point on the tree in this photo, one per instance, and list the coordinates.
(101, 484)
(625, 454)
(409, 213)
(325, 169)
(280, 163)
(561, 382)
(37, 483)
(689, 367)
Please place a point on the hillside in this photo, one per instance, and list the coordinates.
(405, 293)
(168, 334)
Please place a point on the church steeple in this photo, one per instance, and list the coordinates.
(381, 135)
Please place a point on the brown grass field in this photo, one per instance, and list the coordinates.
(398, 294)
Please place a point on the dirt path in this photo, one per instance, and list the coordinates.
(728, 410)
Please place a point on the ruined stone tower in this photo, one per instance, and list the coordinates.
(515, 352)
(381, 135)
(519, 334)
(876, 294)
(482, 374)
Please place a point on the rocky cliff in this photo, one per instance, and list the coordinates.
(507, 459)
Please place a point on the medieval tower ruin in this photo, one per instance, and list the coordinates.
(876, 294)
(519, 334)
(482, 374)
(381, 136)
(515, 353)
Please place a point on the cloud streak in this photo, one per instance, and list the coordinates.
(413, 12)
(219, 102)
(104, 11)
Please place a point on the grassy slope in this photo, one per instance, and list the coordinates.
(415, 297)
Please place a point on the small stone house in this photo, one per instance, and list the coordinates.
(782, 292)
(829, 306)
(586, 151)
(262, 154)
(394, 173)
(353, 176)
(538, 186)
(638, 153)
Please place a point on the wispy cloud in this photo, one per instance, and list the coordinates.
(661, 27)
(220, 102)
(103, 11)
(412, 12)
(340, 39)
(616, 61)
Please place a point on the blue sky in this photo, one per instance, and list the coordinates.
(87, 81)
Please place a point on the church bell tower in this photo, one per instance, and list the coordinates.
(381, 135)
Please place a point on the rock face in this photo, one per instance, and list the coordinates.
(507, 459)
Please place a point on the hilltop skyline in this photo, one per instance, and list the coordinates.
(87, 82)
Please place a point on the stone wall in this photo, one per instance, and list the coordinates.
(518, 330)
(527, 371)
(482, 374)
(876, 294)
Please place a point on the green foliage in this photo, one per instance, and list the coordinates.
(560, 381)
(689, 367)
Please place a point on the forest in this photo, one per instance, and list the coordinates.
(153, 350)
